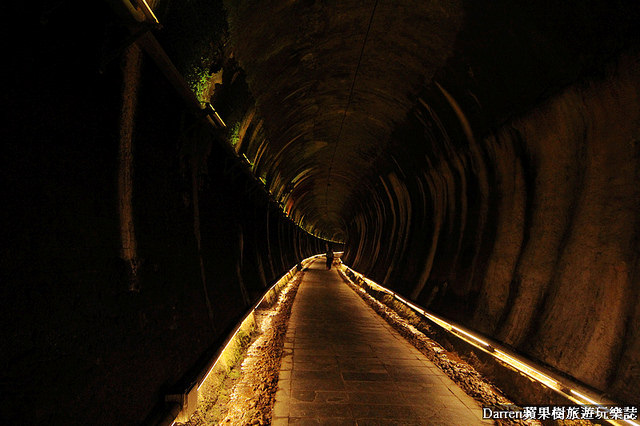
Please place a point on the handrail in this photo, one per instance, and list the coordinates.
(187, 399)
(572, 391)
(144, 14)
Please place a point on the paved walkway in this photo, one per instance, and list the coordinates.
(344, 365)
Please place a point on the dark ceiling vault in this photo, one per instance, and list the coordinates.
(333, 80)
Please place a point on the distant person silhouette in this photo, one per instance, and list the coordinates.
(329, 259)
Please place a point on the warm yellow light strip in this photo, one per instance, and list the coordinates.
(590, 401)
(493, 350)
(286, 276)
(213, 366)
(149, 12)
(527, 369)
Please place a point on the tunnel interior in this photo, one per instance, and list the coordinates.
(481, 158)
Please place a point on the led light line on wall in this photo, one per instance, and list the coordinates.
(248, 316)
(524, 366)
(189, 401)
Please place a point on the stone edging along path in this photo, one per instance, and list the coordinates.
(412, 328)
(253, 381)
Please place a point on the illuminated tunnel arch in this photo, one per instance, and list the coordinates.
(478, 157)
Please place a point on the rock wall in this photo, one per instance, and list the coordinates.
(529, 235)
(79, 346)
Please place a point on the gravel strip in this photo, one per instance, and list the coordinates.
(253, 382)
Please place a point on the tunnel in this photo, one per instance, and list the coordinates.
(164, 163)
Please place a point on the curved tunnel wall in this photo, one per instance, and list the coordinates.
(529, 235)
(78, 346)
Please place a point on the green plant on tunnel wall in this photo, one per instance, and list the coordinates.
(194, 35)
(200, 79)
(234, 134)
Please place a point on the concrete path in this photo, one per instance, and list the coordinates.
(344, 365)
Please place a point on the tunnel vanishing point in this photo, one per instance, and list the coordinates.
(162, 167)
